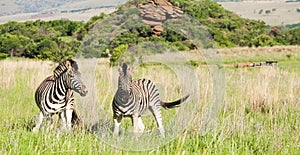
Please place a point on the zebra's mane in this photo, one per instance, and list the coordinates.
(124, 68)
(65, 66)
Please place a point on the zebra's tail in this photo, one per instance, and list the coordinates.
(169, 105)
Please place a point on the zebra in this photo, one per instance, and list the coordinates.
(55, 94)
(134, 97)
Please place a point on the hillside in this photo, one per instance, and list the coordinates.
(274, 13)
(60, 39)
(12, 7)
(83, 15)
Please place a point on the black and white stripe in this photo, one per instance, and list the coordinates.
(134, 97)
(55, 94)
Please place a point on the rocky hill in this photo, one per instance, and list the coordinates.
(155, 12)
(53, 39)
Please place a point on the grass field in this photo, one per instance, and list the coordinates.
(259, 115)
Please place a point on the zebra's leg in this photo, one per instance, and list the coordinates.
(135, 123)
(50, 123)
(117, 123)
(68, 114)
(157, 114)
(63, 121)
(141, 125)
(38, 123)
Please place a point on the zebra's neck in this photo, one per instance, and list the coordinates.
(59, 89)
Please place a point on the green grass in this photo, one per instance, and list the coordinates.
(260, 113)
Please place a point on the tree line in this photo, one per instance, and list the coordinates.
(61, 39)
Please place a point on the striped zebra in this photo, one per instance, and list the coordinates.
(134, 97)
(55, 94)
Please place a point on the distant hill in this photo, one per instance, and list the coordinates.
(273, 12)
(11, 7)
(78, 10)
(59, 39)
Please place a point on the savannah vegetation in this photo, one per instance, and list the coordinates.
(59, 39)
(259, 114)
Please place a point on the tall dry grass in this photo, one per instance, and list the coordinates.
(18, 81)
(259, 114)
(10, 70)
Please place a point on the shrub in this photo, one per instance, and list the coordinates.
(117, 53)
(262, 40)
(3, 56)
(180, 46)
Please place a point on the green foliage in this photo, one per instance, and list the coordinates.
(194, 63)
(117, 53)
(83, 30)
(227, 28)
(230, 30)
(125, 38)
(39, 39)
(14, 45)
(90, 52)
(291, 26)
(292, 36)
(180, 46)
(288, 37)
(262, 40)
(58, 39)
(3, 56)
(268, 11)
(172, 36)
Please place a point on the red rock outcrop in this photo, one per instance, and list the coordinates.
(155, 12)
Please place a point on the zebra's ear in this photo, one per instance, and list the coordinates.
(68, 65)
(131, 69)
(70, 68)
(120, 69)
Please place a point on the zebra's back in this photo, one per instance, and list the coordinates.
(148, 91)
(144, 94)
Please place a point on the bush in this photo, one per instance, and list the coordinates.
(262, 40)
(180, 46)
(3, 56)
(172, 36)
(117, 53)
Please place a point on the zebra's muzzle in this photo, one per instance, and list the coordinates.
(84, 91)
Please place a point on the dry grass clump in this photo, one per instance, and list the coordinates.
(11, 69)
(266, 90)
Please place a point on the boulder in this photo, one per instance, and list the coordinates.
(156, 12)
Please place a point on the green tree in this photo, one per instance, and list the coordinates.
(262, 40)
(293, 36)
(14, 45)
(117, 53)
